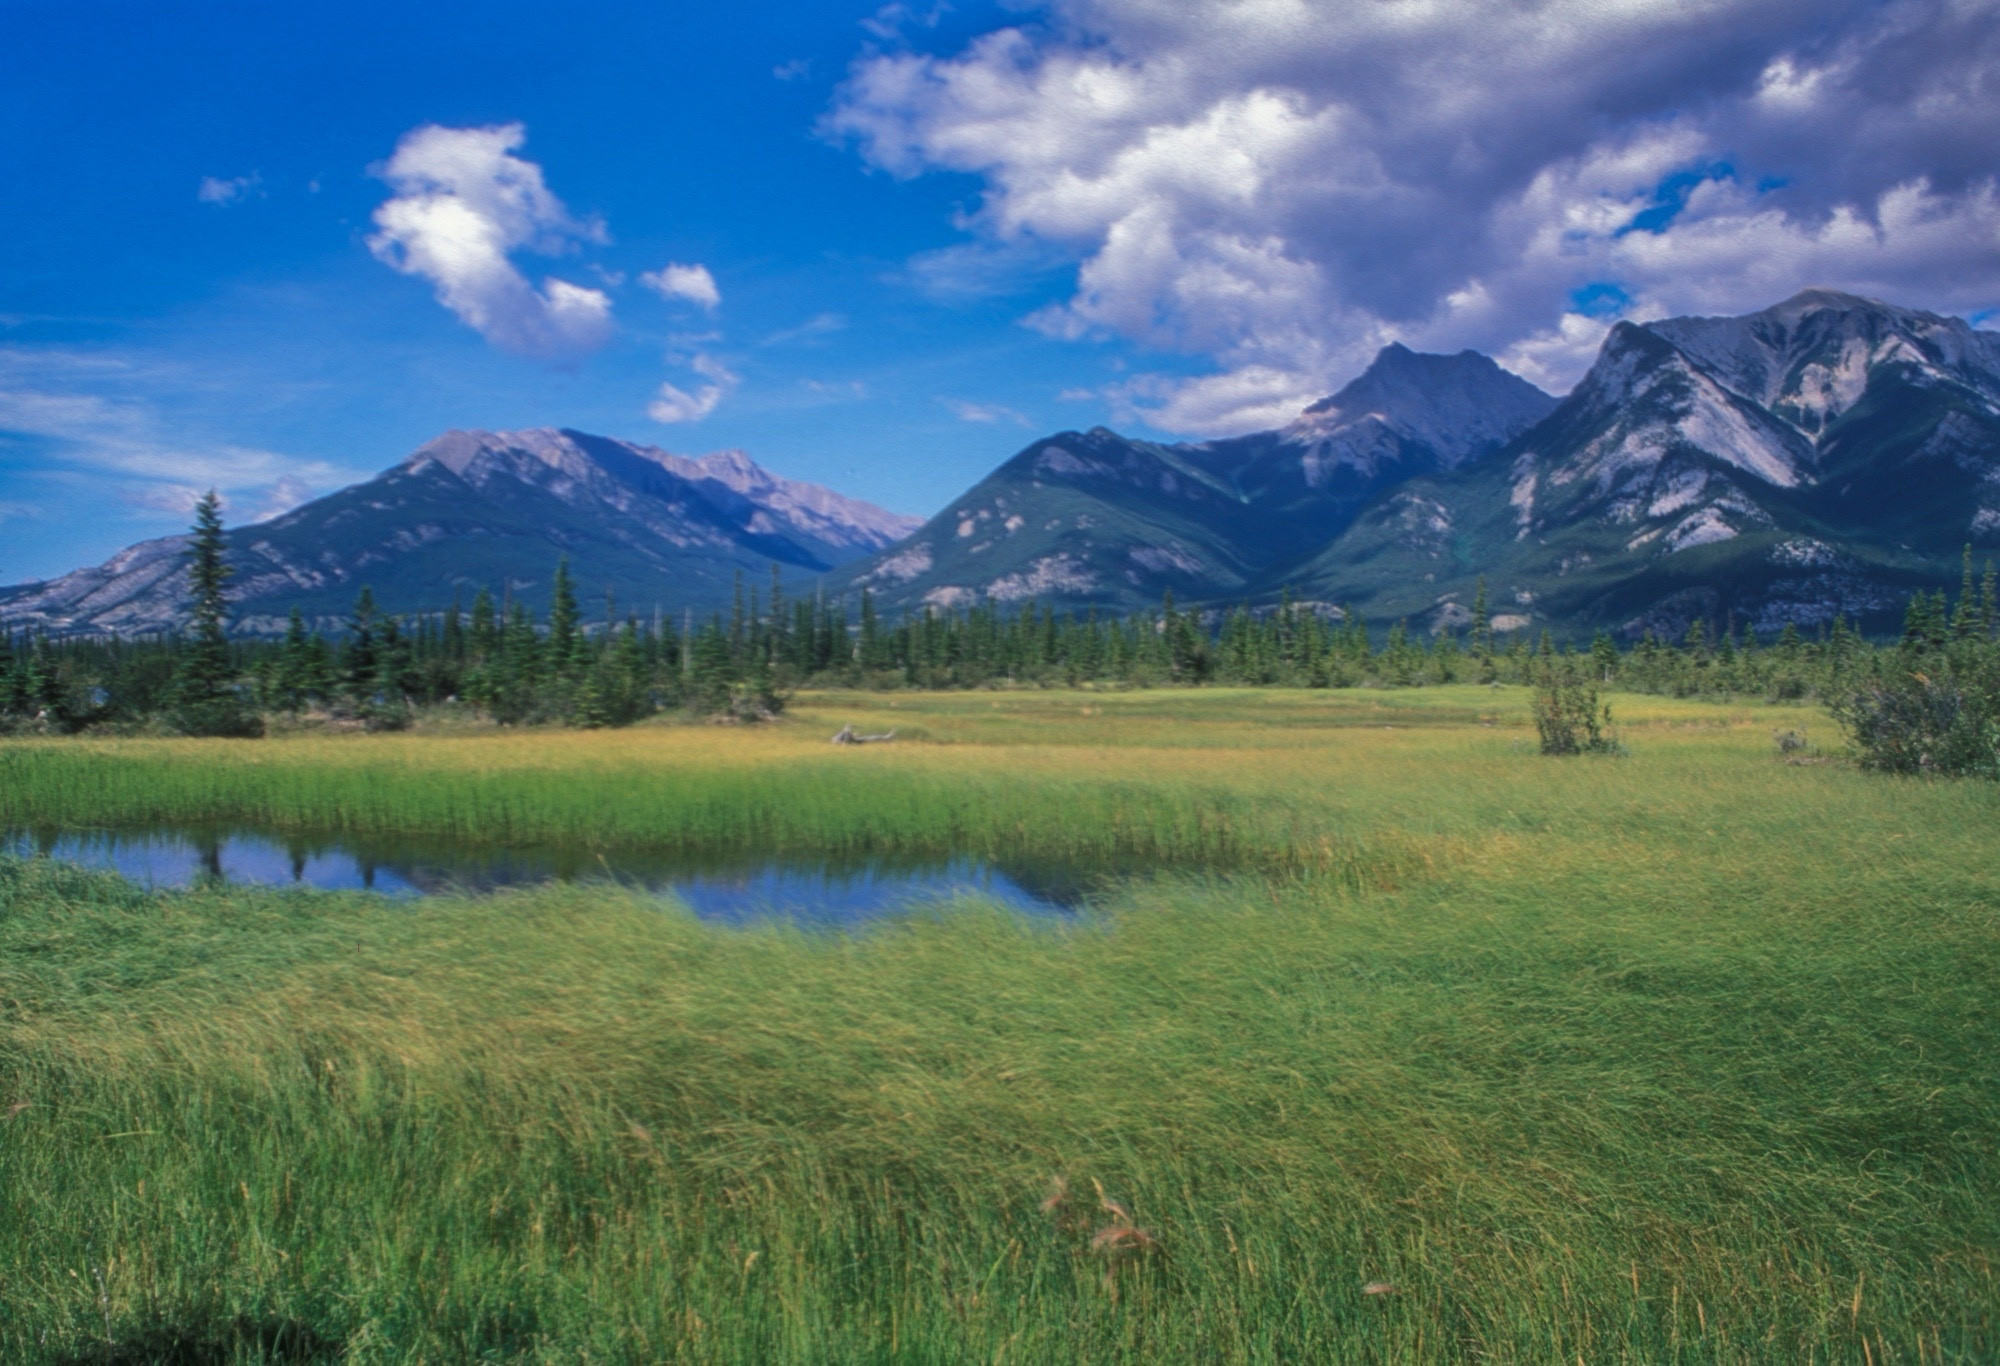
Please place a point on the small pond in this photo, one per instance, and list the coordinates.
(739, 889)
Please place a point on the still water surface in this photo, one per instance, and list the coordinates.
(729, 889)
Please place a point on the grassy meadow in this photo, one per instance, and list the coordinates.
(1410, 1045)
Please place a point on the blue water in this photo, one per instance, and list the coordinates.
(729, 890)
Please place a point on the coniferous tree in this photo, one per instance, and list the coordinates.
(1919, 627)
(362, 662)
(780, 627)
(590, 708)
(518, 669)
(709, 680)
(12, 691)
(484, 637)
(565, 640)
(453, 640)
(398, 674)
(1697, 640)
(868, 646)
(1604, 657)
(1965, 622)
(292, 679)
(205, 700)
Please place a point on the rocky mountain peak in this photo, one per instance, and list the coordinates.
(459, 450)
(730, 465)
(1810, 358)
(1458, 406)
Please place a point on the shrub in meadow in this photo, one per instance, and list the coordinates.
(1568, 717)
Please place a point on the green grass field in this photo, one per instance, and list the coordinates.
(1689, 1055)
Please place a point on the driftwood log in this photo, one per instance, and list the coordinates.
(847, 735)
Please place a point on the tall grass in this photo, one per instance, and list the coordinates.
(1210, 779)
(1219, 781)
(675, 794)
(1685, 1056)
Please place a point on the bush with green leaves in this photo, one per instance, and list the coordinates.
(1933, 706)
(1568, 717)
(1942, 719)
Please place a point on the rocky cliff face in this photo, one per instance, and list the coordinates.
(1685, 429)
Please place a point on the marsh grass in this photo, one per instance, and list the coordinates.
(1685, 1058)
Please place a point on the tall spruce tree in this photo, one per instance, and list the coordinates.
(364, 649)
(293, 679)
(1603, 657)
(565, 648)
(1966, 622)
(205, 702)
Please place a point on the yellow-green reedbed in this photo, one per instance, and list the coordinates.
(1688, 1055)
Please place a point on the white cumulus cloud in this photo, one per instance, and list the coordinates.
(1286, 185)
(692, 284)
(463, 204)
(675, 404)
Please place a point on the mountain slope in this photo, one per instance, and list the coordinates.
(1822, 456)
(477, 509)
(1097, 518)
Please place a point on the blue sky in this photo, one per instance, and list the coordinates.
(932, 232)
(169, 329)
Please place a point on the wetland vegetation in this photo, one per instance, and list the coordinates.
(1410, 1045)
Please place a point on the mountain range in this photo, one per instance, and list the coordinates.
(492, 510)
(1094, 517)
(1823, 456)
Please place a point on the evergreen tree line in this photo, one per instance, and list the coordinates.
(612, 669)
